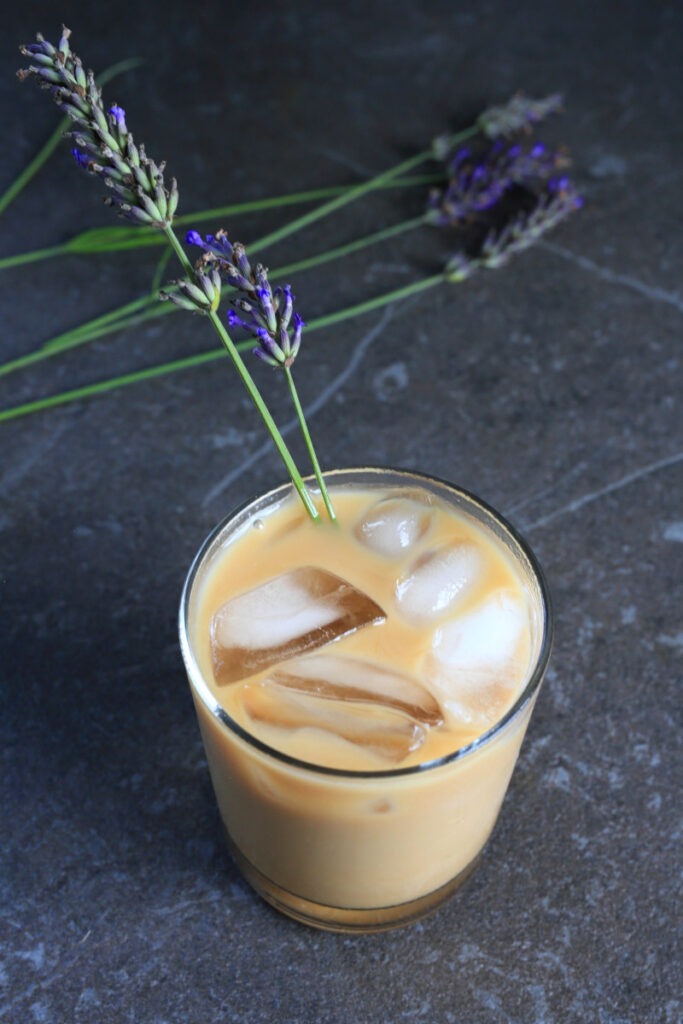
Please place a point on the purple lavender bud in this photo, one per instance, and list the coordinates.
(285, 314)
(82, 159)
(223, 245)
(460, 156)
(240, 257)
(269, 345)
(242, 284)
(295, 344)
(49, 75)
(234, 320)
(558, 184)
(194, 238)
(119, 116)
(265, 299)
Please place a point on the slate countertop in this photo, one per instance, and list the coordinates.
(551, 388)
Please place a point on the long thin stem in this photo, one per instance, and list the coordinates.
(250, 386)
(33, 256)
(349, 247)
(113, 320)
(101, 387)
(298, 198)
(309, 443)
(121, 318)
(122, 239)
(378, 302)
(74, 339)
(201, 358)
(360, 190)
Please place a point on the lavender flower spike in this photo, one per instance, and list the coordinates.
(552, 208)
(105, 147)
(478, 182)
(270, 316)
(519, 114)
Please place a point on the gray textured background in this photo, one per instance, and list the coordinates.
(552, 389)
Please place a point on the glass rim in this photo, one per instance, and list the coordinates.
(531, 687)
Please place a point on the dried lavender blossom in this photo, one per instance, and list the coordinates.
(555, 205)
(552, 206)
(519, 114)
(104, 146)
(477, 181)
(268, 314)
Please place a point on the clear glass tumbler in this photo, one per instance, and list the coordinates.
(360, 850)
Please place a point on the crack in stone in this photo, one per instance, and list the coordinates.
(616, 485)
(650, 292)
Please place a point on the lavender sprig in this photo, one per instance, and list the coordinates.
(104, 146)
(526, 229)
(519, 115)
(552, 207)
(267, 314)
(477, 181)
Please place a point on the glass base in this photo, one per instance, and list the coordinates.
(345, 919)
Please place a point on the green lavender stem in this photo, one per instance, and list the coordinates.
(357, 191)
(309, 443)
(268, 420)
(250, 385)
(122, 239)
(116, 319)
(121, 318)
(201, 358)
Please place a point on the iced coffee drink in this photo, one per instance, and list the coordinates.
(363, 688)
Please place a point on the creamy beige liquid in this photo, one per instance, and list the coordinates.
(340, 840)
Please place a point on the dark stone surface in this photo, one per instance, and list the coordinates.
(551, 388)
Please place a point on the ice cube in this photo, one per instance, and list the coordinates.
(437, 580)
(378, 729)
(393, 525)
(341, 678)
(478, 661)
(295, 612)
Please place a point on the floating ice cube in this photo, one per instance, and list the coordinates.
(393, 525)
(478, 661)
(296, 612)
(340, 679)
(437, 580)
(378, 729)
